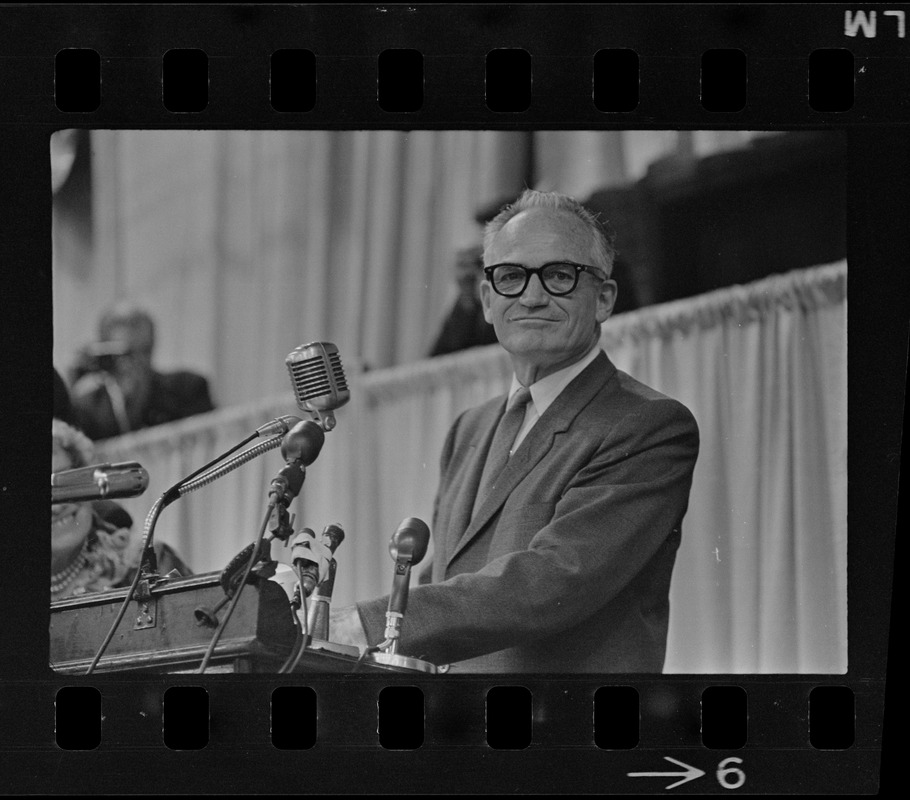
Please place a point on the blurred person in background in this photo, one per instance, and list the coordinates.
(93, 551)
(115, 388)
(465, 325)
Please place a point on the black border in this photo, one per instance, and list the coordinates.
(454, 39)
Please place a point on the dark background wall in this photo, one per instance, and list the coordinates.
(694, 225)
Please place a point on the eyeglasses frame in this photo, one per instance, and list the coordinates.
(530, 271)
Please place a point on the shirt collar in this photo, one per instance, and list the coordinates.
(546, 390)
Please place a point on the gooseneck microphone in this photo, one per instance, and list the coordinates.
(318, 380)
(271, 433)
(408, 546)
(99, 482)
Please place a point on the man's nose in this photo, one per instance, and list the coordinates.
(534, 293)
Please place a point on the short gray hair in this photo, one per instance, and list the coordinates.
(128, 314)
(604, 251)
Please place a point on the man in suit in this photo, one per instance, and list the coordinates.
(115, 387)
(561, 561)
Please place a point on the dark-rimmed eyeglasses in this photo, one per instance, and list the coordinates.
(559, 278)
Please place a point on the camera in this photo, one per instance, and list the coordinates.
(102, 356)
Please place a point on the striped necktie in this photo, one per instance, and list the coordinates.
(506, 431)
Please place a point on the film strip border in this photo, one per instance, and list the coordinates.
(597, 736)
(565, 66)
(410, 66)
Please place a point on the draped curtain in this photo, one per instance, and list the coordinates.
(760, 580)
(244, 244)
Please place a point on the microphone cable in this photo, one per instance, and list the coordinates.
(299, 641)
(301, 644)
(363, 656)
(160, 504)
(254, 555)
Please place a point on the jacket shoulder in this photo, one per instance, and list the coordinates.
(182, 380)
(627, 395)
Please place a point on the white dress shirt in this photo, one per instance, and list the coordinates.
(545, 391)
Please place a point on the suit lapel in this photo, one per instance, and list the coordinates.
(555, 421)
(467, 481)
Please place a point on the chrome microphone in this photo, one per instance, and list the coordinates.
(99, 482)
(318, 380)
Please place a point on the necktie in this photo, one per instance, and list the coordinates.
(505, 435)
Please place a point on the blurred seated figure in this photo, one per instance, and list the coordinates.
(465, 325)
(115, 388)
(63, 406)
(89, 552)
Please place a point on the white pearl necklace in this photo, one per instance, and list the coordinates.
(60, 580)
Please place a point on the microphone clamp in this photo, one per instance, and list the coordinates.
(392, 632)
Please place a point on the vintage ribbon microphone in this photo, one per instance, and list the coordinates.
(318, 380)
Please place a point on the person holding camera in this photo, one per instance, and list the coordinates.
(115, 388)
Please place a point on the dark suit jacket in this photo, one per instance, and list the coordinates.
(173, 396)
(566, 566)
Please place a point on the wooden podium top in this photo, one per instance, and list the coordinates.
(164, 634)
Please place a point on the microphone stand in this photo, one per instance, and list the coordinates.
(146, 576)
(386, 653)
(407, 547)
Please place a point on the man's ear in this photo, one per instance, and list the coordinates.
(606, 299)
(486, 298)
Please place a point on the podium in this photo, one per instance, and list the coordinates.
(163, 633)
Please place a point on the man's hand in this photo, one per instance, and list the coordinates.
(345, 627)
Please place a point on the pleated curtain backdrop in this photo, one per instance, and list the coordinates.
(246, 244)
(760, 584)
(761, 579)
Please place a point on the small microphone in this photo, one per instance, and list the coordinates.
(408, 546)
(318, 617)
(300, 448)
(318, 380)
(99, 482)
(313, 558)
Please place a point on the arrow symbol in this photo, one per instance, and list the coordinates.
(690, 774)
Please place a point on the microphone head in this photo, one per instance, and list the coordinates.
(332, 535)
(99, 482)
(303, 442)
(410, 540)
(317, 378)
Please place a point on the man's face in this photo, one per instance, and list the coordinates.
(544, 333)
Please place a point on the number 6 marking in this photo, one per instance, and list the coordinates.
(730, 777)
